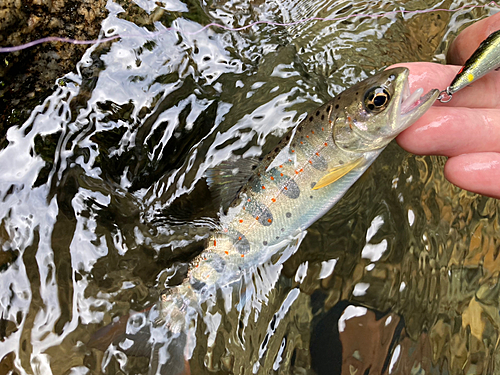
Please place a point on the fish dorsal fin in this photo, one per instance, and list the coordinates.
(338, 172)
(227, 178)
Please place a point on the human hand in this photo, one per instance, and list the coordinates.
(467, 129)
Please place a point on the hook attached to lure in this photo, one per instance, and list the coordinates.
(484, 59)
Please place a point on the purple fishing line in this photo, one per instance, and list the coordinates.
(56, 39)
(361, 15)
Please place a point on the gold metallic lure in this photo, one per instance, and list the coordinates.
(484, 59)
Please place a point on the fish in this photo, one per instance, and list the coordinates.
(267, 203)
(307, 173)
(484, 59)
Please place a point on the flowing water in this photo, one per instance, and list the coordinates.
(104, 203)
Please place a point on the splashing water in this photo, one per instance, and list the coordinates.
(104, 203)
(402, 11)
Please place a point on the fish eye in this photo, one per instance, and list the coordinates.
(376, 99)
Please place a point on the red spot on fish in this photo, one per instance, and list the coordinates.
(322, 129)
(241, 221)
(317, 154)
(312, 131)
(227, 252)
(301, 142)
(296, 172)
(242, 255)
(263, 187)
(248, 200)
(307, 136)
(274, 200)
(301, 170)
(290, 160)
(326, 144)
(256, 218)
(239, 238)
(293, 150)
(269, 220)
(215, 244)
(272, 178)
(310, 162)
(281, 174)
(281, 166)
(285, 188)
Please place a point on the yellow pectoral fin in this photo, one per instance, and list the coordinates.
(338, 172)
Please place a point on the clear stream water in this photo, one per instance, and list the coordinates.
(400, 277)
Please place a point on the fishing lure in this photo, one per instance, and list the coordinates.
(484, 59)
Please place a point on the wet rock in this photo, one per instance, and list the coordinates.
(26, 76)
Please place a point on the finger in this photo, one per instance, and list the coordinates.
(468, 40)
(453, 131)
(478, 173)
(485, 93)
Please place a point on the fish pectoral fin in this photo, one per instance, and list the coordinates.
(338, 172)
(226, 179)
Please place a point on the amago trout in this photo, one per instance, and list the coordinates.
(305, 175)
(299, 181)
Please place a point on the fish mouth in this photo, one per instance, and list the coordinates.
(414, 105)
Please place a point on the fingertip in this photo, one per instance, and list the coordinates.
(478, 173)
(428, 75)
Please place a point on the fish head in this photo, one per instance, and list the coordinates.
(368, 115)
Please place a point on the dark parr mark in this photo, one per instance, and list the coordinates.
(260, 212)
(240, 242)
(288, 186)
(291, 189)
(288, 214)
(319, 163)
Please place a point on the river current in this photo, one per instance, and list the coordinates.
(103, 203)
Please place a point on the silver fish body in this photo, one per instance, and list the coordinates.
(309, 171)
(484, 59)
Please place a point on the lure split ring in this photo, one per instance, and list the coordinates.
(445, 95)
